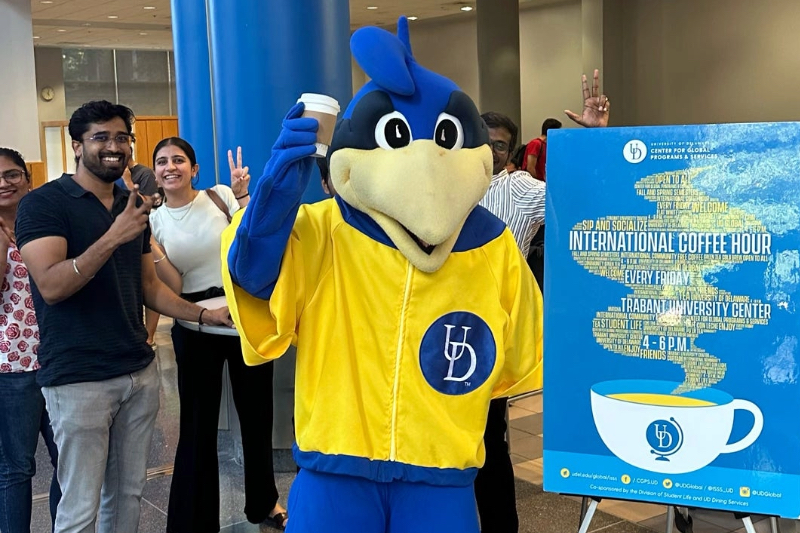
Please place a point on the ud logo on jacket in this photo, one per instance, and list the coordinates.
(457, 353)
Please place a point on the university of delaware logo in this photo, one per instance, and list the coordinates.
(635, 151)
(453, 351)
(457, 353)
(665, 438)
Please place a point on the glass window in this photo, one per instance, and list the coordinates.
(88, 75)
(143, 81)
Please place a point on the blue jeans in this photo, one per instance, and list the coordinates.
(103, 431)
(22, 417)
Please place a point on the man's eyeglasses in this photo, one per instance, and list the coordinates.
(104, 138)
(12, 177)
(500, 147)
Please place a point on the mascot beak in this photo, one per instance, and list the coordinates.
(420, 194)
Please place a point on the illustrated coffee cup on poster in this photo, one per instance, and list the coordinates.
(644, 423)
(325, 109)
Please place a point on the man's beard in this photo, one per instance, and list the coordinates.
(95, 165)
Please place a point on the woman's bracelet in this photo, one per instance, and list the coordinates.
(245, 195)
(200, 318)
(78, 272)
(156, 261)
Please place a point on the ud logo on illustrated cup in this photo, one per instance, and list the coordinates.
(643, 423)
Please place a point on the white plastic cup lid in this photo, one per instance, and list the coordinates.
(320, 99)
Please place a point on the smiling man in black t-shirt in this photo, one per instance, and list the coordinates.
(85, 242)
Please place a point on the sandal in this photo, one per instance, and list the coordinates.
(277, 520)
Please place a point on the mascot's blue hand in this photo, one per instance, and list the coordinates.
(286, 174)
(295, 143)
(255, 255)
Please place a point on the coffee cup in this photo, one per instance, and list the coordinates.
(325, 109)
(647, 425)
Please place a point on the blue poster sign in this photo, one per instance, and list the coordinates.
(671, 316)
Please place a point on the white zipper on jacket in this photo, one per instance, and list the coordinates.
(400, 335)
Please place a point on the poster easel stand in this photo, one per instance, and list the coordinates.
(681, 519)
(679, 516)
(748, 523)
(588, 507)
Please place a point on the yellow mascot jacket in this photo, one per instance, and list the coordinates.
(395, 366)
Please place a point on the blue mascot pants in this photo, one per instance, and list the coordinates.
(333, 503)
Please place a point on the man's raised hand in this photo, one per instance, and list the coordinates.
(595, 105)
(133, 220)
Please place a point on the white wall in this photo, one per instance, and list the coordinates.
(708, 61)
(448, 46)
(50, 73)
(19, 125)
(550, 65)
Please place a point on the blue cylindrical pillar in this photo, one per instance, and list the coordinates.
(265, 54)
(194, 86)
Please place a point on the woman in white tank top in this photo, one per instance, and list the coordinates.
(187, 231)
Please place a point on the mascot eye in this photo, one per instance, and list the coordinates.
(393, 131)
(449, 133)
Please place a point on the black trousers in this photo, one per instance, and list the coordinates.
(194, 495)
(536, 257)
(494, 486)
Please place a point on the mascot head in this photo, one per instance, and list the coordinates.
(411, 150)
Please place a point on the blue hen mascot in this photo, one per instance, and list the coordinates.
(410, 306)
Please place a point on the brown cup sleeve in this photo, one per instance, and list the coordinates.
(327, 123)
